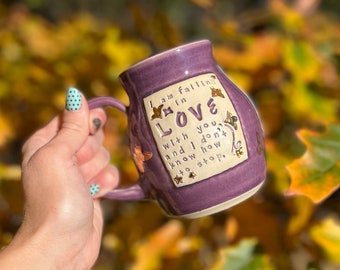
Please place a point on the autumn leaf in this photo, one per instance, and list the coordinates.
(10, 172)
(301, 211)
(317, 173)
(6, 130)
(300, 58)
(150, 253)
(304, 104)
(242, 257)
(289, 16)
(327, 235)
(276, 161)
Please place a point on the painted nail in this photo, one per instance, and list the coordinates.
(97, 123)
(94, 189)
(73, 99)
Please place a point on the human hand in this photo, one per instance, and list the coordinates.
(63, 221)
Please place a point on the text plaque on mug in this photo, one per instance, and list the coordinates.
(196, 129)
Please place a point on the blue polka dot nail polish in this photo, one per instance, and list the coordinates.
(94, 189)
(73, 99)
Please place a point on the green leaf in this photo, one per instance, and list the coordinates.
(300, 58)
(317, 173)
(304, 104)
(242, 257)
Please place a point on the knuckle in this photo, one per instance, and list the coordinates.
(73, 126)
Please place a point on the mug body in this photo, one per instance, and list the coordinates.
(195, 136)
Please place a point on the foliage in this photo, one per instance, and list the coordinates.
(286, 57)
(316, 174)
(326, 234)
(243, 256)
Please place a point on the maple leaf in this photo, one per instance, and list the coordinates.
(317, 173)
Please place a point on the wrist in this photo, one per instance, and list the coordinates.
(36, 251)
(25, 252)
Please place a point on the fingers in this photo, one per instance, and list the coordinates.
(97, 119)
(77, 133)
(100, 175)
(99, 161)
(90, 148)
(106, 180)
(74, 127)
(40, 138)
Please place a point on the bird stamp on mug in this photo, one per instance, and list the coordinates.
(196, 129)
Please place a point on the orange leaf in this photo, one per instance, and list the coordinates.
(317, 173)
(150, 253)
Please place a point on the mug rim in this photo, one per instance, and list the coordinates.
(164, 54)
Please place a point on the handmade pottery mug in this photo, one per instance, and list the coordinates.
(196, 138)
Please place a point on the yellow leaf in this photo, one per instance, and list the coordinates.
(257, 52)
(305, 104)
(122, 53)
(150, 253)
(6, 130)
(242, 80)
(39, 39)
(290, 18)
(301, 59)
(276, 161)
(327, 236)
(10, 172)
(302, 210)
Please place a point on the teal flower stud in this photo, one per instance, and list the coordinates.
(94, 189)
(73, 99)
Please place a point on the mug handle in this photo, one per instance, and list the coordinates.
(133, 192)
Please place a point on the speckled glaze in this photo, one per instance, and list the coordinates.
(209, 195)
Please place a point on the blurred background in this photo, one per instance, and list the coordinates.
(284, 54)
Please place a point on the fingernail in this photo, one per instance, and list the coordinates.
(94, 189)
(73, 99)
(97, 123)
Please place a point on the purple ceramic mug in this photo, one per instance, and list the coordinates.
(195, 136)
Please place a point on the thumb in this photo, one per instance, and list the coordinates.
(74, 127)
